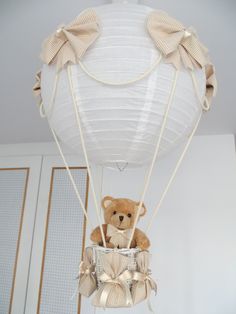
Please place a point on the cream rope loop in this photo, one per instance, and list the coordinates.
(78, 119)
(149, 173)
(140, 77)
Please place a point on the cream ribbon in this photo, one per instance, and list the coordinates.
(69, 43)
(177, 44)
(119, 238)
(120, 280)
(37, 87)
(138, 276)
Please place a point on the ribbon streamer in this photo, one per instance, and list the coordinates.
(69, 43)
(37, 87)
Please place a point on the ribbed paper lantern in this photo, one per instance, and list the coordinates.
(122, 123)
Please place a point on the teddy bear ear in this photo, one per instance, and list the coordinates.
(142, 210)
(107, 201)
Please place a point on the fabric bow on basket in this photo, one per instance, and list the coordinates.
(114, 290)
(143, 284)
(69, 43)
(87, 278)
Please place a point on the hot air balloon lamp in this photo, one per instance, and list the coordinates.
(123, 84)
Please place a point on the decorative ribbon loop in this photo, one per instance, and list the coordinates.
(120, 280)
(37, 87)
(177, 44)
(69, 43)
(211, 83)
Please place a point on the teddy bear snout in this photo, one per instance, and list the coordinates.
(121, 218)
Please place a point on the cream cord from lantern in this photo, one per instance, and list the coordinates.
(78, 119)
(140, 77)
(181, 156)
(71, 177)
(173, 174)
(43, 115)
(149, 173)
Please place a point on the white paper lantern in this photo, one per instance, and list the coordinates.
(121, 123)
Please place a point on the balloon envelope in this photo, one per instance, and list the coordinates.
(121, 123)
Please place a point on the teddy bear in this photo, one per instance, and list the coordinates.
(119, 216)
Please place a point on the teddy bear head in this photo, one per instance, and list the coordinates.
(121, 212)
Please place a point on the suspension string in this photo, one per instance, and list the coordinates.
(201, 102)
(78, 119)
(140, 77)
(43, 113)
(71, 178)
(148, 176)
(173, 174)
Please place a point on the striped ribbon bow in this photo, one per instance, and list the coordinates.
(69, 43)
(177, 44)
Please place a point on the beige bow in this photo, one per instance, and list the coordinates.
(69, 43)
(119, 238)
(120, 280)
(37, 87)
(176, 43)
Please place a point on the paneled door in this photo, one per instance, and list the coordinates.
(59, 239)
(19, 182)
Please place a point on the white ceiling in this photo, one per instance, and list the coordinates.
(24, 24)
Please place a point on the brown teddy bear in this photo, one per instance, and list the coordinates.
(119, 214)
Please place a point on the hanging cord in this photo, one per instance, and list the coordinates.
(45, 114)
(173, 174)
(71, 177)
(148, 176)
(78, 119)
(201, 102)
(140, 77)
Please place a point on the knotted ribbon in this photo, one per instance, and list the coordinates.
(86, 276)
(120, 280)
(114, 289)
(143, 282)
(69, 43)
(120, 238)
(177, 44)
